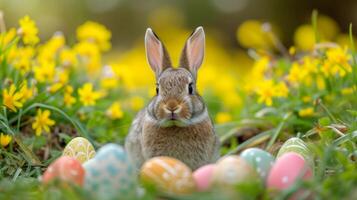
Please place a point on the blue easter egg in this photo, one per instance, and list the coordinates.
(260, 160)
(110, 174)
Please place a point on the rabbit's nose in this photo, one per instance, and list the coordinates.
(173, 109)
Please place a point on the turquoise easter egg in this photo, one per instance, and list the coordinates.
(260, 160)
(110, 174)
(298, 146)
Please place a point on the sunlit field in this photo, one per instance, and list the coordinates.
(79, 84)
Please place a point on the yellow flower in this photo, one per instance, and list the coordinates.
(11, 98)
(96, 33)
(68, 57)
(90, 55)
(28, 31)
(55, 87)
(7, 37)
(250, 34)
(45, 72)
(21, 58)
(5, 139)
(48, 51)
(68, 99)
(306, 99)
(26, 92)
(304, 37)
(87, 96)
(306, 112)
(136, 103)
(347, 91)
(337, 62)
(42, 122)
(115, 111)
(223, 117)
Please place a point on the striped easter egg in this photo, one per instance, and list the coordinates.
(168, 175)
(79, 148)
(298, 146)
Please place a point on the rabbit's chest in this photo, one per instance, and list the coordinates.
(192, 145)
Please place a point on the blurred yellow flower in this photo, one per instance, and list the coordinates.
(304, 37)
(306, 99)
(26, 92)
(115, 111)
(42, 122)
(7, 37)
(11, 98)
(90, 55)
(223, 117)
(136, 103)
(68, 57)
(347, 91)
(28, 31)
(48, 52)
(96, 33)
(21, 58)
(306, 112)
(337, 62)
(250, 34)
(68, 99)
(54, 87)
(5, 139)
(87, 96)
(45, 72)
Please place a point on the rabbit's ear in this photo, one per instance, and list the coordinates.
(194, 50)
(156, 53)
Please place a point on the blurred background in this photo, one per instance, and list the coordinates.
(128, 19)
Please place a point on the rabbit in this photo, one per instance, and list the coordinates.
(176, 122)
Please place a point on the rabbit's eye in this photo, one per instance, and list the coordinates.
(157, 89)
(190, 88)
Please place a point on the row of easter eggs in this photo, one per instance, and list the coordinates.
(109, 173)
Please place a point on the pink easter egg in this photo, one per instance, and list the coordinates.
(286, 170)
(66, 169)
(203, 177)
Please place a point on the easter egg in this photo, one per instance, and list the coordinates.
(203, 177)
(233, 170)
(66, 169)
(286, 170)
(80, 149)
(260, 160)
(110, 173)
(168, 175)
(298, 146)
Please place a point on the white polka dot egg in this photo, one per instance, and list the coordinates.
(110, 174)
(260, 160)
(168, 175)
(80, 149)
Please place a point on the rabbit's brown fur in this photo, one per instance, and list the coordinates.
(176, 121)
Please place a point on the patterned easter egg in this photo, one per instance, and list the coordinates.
(168, 175)
(297, 145)
(287, 169)
(260, 160)
(110, 173)
(66, 169)
(80, 149)
(203, 177)
(233, 170)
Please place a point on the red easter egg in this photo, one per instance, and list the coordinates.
(286, 170)
(65, 169)
(203, 177)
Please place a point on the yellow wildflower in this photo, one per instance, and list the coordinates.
(96, 33)
(250, 34)
(55, 87)
(11, 98)
(68, 57)
(87, 96)
(21, 58)
(347, 91)
(306, 112)
(28, 31)
(45, 72)
(304, 37)
(48, 51)
(266, 92)
(223, 117)
(115, 111)
(306, 99)
(7, 37)
(26, 92)
(281, 90)
(136, 103)
(5, 139)
(337, 62)
(42, 122)
(90, 55)
(68, 99)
